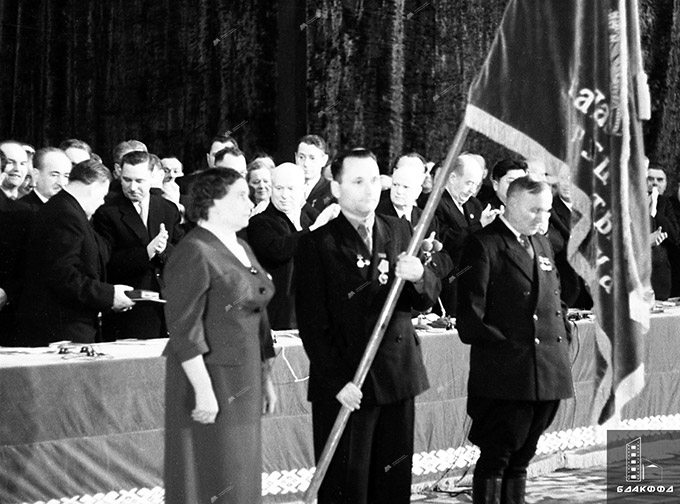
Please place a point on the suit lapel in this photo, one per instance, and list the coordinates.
(517, 255)
(351, 246)
(131, 219)
(453, 210)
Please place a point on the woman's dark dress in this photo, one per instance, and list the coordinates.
(216, 307)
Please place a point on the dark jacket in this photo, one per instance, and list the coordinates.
(274, 240)
(454, 228)
(320, 196)
(339, 301)
(120, 224)
(510, 312)
(65, 286)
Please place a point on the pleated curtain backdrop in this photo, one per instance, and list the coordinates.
(391, 75)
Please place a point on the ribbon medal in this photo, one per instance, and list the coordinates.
(361, 262)
(383, 268)
(544, 263)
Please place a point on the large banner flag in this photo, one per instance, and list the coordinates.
(559, 86)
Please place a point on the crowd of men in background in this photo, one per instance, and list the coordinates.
(71, 286)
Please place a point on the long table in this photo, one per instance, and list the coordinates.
(73, 424)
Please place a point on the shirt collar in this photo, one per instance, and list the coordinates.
(368, 222)
(404, 213)
(40, 196)
(510, 226)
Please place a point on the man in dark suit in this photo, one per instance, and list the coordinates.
(344, 271)
(66, 288)
(574, 291)
(217, 143)
(50, 175)
(460, 214)
(665, 231)
(400, 200)
(141, 229)
(511, 314)
(51, 169)
(274, 235)
(502, 175)
(312, 155)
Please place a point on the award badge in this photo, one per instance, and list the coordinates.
(544, 263)
(361, 262)
(383, 268)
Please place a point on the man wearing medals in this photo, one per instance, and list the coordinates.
(344, 272)
(510, 312)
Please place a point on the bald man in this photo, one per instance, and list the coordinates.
(400, 201)
(274, 234)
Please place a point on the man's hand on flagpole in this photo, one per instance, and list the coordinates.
(350, 396)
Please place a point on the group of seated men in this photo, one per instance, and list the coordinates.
(131, 224)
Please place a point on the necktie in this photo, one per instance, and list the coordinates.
(363, 232)
(140, 211)
(526, 245)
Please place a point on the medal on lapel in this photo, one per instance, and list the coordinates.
(544, 263)
(383, 268)
(361, 262)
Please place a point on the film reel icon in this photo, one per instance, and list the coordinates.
(634, 460)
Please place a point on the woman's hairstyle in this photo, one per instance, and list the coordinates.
(210, 185)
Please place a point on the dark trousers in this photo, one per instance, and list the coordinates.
(373, 461)
(507, 433)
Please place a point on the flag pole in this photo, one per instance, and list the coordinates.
(386, 313)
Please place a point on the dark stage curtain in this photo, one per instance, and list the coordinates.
(391, 75)
(169, 73)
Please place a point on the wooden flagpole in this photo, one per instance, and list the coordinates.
(386, 313)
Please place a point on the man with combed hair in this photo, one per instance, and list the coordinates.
(459, 214)
(511, 314)
(76, 150)
(218, 143)
(231, 157)
(274, 234)
(502, 175)
(51, 169)
(344, 271)
(142, 229)
(66, 287)
(312, 156)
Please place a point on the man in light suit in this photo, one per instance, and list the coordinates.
(141, 229)
(460, 214)
(511, 314)
(344, 271)
(66, 288)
